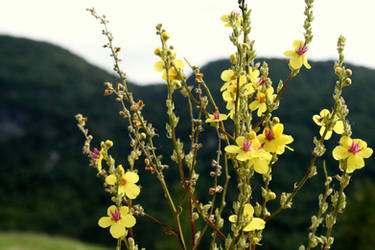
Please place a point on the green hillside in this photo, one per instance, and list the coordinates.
(46, 185)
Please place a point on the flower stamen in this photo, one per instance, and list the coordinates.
(246, 146)
(302, 50)
(116, 215)
(269, 135)
(355, 148)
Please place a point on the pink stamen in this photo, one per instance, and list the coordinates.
(355, 148)
(269, 135)
(302, 50)
(95, 154)
(261, 81)
(216, 115)
(246, 146)
(116, 215)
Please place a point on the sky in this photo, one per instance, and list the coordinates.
(197, 33)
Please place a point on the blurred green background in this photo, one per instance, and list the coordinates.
(47, 188)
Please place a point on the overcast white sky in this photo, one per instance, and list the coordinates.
(195, 26)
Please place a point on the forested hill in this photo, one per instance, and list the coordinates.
(45, 184)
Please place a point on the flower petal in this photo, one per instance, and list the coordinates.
(255, 224)
(132, 190)
(340, 152)
(111, 210)
(111, 179)
(128, 220)
(131, 177)
(365, 153)
(159, 66)
(105, 222)
(232, 149)
(117, 230)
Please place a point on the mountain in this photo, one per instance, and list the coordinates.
(45, 182)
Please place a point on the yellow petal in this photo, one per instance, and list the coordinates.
(365, 153)
(124, 210)
(297, 44)
(307, 65)
(131, 177)
(346, 141)
(354, 162)
(105, 222)
(339, 127)
(128, 220)
(248, 210)
(289, 53)
(239, 140)
(232, 149)
(233, 218)
(132, 190)
(255, 224)
(227, 75)
(117, 230)
(340, 152)
(111, 210)
(316, 119)
(179, 64)
(224, 18)
(261, 166)
(159, 66)
(111, 179)
(243, 156)
(296, 61)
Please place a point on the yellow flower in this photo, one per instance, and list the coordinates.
(236, 19)
(126, 183)
(320, 120)
(252, 151)
(118, 220)
(260, 101)
(172, 72)
(254, 222)
(273, 140)
(97, 157)
(353, 151)
(297, 55)
(216, 117)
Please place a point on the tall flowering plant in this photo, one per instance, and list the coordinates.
(254, 145)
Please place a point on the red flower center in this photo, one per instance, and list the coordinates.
(269, 135)
(261, 81)
(246, 146)
(216, 115)
(355, 148)
(116, 215)
(301, 50)
(95, 154)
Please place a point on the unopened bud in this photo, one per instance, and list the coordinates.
(348, 72)
(147, 161)
(348, 81)
(165, 35)
(108, 143)
(233, 58)
(143, 136)
(157, 51)
(338, 70)
(271, 195)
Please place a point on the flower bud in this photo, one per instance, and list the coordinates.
(157, 51)
(271, 195)
(143, 136)
(108, 143)
(348, 72)
(338, 70)
(233, 58)
(165, 35)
